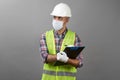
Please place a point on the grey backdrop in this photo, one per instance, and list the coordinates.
(97, 22)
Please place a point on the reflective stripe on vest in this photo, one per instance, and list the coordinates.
(61, 73)
(64, 71)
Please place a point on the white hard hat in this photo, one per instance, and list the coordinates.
(62, 10)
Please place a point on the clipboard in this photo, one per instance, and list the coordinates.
(72, 53)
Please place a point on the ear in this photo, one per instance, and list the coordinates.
(67, 19)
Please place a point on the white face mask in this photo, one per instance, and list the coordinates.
(57, 25)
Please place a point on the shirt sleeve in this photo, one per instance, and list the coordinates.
(80, 57)
(43, 48)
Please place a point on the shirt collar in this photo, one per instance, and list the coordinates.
(62, 35)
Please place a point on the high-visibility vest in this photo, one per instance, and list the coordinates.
(64, 72)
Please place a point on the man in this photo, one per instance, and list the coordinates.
(52, 44)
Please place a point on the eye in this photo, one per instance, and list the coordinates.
(54, 17)
(60, 18)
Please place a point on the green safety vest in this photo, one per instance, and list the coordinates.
(64, 72)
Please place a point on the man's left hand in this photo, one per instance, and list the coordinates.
(61, 56)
